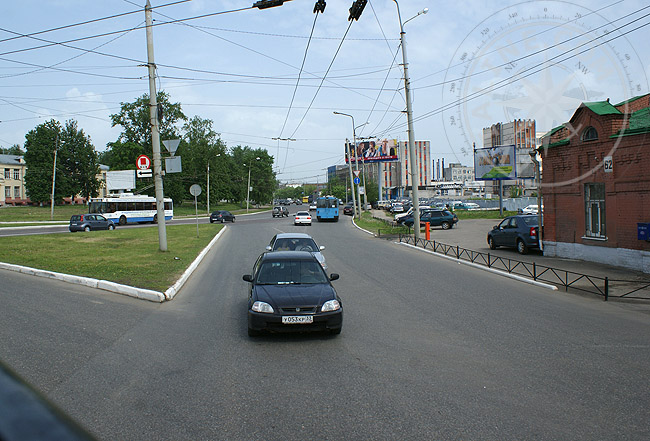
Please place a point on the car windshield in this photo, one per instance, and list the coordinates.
(295, 244)
(287, 272)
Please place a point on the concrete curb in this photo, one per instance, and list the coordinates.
(481, 267)
(106, 285)
(365, 231)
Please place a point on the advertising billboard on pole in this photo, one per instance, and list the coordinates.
(495, 163)
(374, 151)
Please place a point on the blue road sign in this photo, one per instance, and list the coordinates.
(357, 181)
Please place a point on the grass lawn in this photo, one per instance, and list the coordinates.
(129, 256)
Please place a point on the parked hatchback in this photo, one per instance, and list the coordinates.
(90, 222)
(520, 232)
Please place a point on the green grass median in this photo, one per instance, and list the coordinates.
(128, 256)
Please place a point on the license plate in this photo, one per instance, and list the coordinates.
(297, 319)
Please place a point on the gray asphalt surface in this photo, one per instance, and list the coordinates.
(430, 349)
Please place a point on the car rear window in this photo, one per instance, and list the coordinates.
(75, 218)
(531, 221)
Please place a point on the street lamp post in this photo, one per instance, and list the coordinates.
(248, 189)
(354, 137)
(409, 117)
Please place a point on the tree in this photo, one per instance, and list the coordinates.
(135, 139)
(262, 176)
(78, 162)
(13, 150)
(201, 147)
(40, 144)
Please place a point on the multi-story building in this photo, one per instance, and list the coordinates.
(12, 180)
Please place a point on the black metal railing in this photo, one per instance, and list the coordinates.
(603, 286)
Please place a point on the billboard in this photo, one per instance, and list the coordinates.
(494, 163)
(120, 180)
(373, 151)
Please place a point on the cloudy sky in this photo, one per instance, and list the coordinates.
(282, 72)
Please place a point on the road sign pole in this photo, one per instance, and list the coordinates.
(155, 136)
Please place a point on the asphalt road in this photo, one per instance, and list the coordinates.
(430, 349)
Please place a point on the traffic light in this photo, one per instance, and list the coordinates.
(319, 6)
(263, 4)
(356, 9)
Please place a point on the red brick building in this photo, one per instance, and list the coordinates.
(596, 184)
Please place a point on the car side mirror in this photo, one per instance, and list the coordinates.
(496, 227)
(268, 248)
(322, 247)
(247, 278)
(334, 276)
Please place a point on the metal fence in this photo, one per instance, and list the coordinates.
(602, 286)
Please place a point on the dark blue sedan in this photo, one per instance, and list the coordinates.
(520, 232)
(290, 291)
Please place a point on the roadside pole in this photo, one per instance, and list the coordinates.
(155, 135)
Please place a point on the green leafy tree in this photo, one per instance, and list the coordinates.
(201, 147)
(78, 162)
(135, 139)
(262, 176)
(40, 144)
(13, 150)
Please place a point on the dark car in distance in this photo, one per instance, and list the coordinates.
(279, 211)
(348, 210)
(90, 222)
(222, 216)
(290, 291)
(436, 218)
(520, 232)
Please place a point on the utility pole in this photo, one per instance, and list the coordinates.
(56, 149)
(155, 136)
(208, 186)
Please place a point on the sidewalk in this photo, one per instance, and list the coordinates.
(471, 234)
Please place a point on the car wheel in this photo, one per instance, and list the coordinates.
(491, 243)
(86, 228)
(111, 227)
(233, 219)
(522, 247)
(253, 333)
(122, 220)
(446, 225)
(222, 220)
(155, 218)
(211, 221)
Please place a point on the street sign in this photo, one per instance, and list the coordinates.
(356, 173)
(173, 164)
(143, 162)
(195, 190)
(144, 173)
(171, 145)
(357, 180)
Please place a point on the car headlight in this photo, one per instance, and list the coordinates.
(262, 307)
(331, 305)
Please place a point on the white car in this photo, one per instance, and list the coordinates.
(297, 242)
(312, 206)
(302, 218)
(531, 209)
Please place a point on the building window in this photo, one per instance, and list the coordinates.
(17, 192)
(17, 174)
(595, 210)
(7, 192)
(590, 134)
(7, 173)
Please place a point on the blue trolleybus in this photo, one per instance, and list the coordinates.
(327, 208)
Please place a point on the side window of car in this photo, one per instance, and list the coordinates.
(513, 222)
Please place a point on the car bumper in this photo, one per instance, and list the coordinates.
(273, 322)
